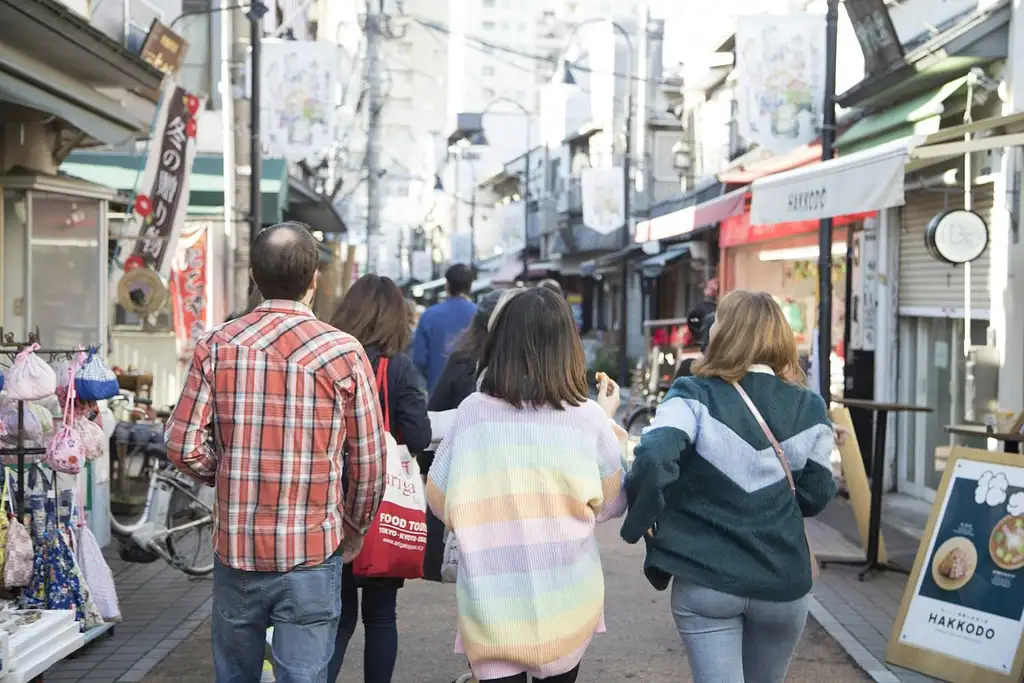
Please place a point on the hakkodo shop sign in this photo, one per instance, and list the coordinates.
(962, 616)
(859, 183)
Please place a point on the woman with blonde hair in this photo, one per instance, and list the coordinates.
(736, 457)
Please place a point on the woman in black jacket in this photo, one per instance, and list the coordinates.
(458, 378)
(374, 312)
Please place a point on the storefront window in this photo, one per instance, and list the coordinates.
(65, 256)
(12, 263)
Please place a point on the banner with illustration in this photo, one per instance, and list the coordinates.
(190, 296)
(963, 614)
(780, 85)
(603, 193)
(162, 193)
(300, 94)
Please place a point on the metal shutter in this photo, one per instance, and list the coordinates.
(926, 282)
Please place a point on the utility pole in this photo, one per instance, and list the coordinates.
(823, 363)
(227, 107)
(255, 148)
(375, 102)
(627, 207)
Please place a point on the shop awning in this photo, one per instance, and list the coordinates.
(801, 156)
(433, 285)
(871, 179)
(98, 116)
(918, 116)
(690, 220)
(608, 261)
(206, 182)
(652, 266)
(313, 209)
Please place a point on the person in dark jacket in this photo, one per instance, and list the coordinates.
(374, 312)
(458, 378)
(700, 319)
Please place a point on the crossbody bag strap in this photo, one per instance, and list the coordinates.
(382, 388)
(776, 446)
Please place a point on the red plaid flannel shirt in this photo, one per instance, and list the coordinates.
(270, 402)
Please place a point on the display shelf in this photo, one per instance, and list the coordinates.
(97, 631)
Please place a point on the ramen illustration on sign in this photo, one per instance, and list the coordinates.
(1006, 544)
(954, 563)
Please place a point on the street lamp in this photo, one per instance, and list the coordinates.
(470, 132)
(627, 172)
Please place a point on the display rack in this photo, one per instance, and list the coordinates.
(10, 347)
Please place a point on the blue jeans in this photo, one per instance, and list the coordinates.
(379, 623)
(302, 605)
(736, 640)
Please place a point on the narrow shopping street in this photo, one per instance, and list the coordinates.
(641, 643)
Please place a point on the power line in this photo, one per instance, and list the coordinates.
(543, 59)
(485, 47)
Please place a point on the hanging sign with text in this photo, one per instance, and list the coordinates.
(962, 616)
(161, 199)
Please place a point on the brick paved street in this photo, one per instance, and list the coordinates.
(161, 608)
(641, 644)
(165, 635)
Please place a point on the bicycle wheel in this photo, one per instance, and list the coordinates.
(191, 549)
(638, 420)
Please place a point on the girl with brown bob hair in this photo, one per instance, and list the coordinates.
(734, 459)
(374, 312)
(528, 468)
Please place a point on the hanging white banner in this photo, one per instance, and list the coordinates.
(603, 192)
(780, 85)
(300, 81)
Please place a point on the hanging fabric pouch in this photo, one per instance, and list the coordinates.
(32, 430)
(66, 451)
(19, 554)
(4, 522)
(94, 381)
(29, 378)
(92, 437)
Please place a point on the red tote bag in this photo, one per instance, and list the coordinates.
(396, 543)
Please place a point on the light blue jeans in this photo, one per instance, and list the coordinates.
(302, 605)
(736, 640)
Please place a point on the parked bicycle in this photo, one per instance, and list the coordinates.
(667, 347)
(176, 517)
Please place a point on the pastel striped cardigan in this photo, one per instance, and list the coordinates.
(522, 491)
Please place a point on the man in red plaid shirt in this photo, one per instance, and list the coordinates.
(277, 409)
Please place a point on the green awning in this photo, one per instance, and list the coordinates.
(206, 182)
(919, 115)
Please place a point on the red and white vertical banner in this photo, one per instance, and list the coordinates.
(190, 295)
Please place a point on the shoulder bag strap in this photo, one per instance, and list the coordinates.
(776, 446)
(382, 389)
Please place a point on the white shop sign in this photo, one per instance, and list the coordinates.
(860, 182)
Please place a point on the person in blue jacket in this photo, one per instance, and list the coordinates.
(441, 324)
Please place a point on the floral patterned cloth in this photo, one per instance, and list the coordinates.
(57, 582)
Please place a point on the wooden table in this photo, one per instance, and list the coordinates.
(877, 477)
(1011, 441)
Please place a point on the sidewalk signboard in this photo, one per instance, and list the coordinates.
(962, 615)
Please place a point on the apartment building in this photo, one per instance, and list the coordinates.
(502, 57)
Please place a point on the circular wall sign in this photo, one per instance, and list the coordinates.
(141, 291)
(957, 236)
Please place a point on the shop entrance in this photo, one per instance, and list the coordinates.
(932, 372)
